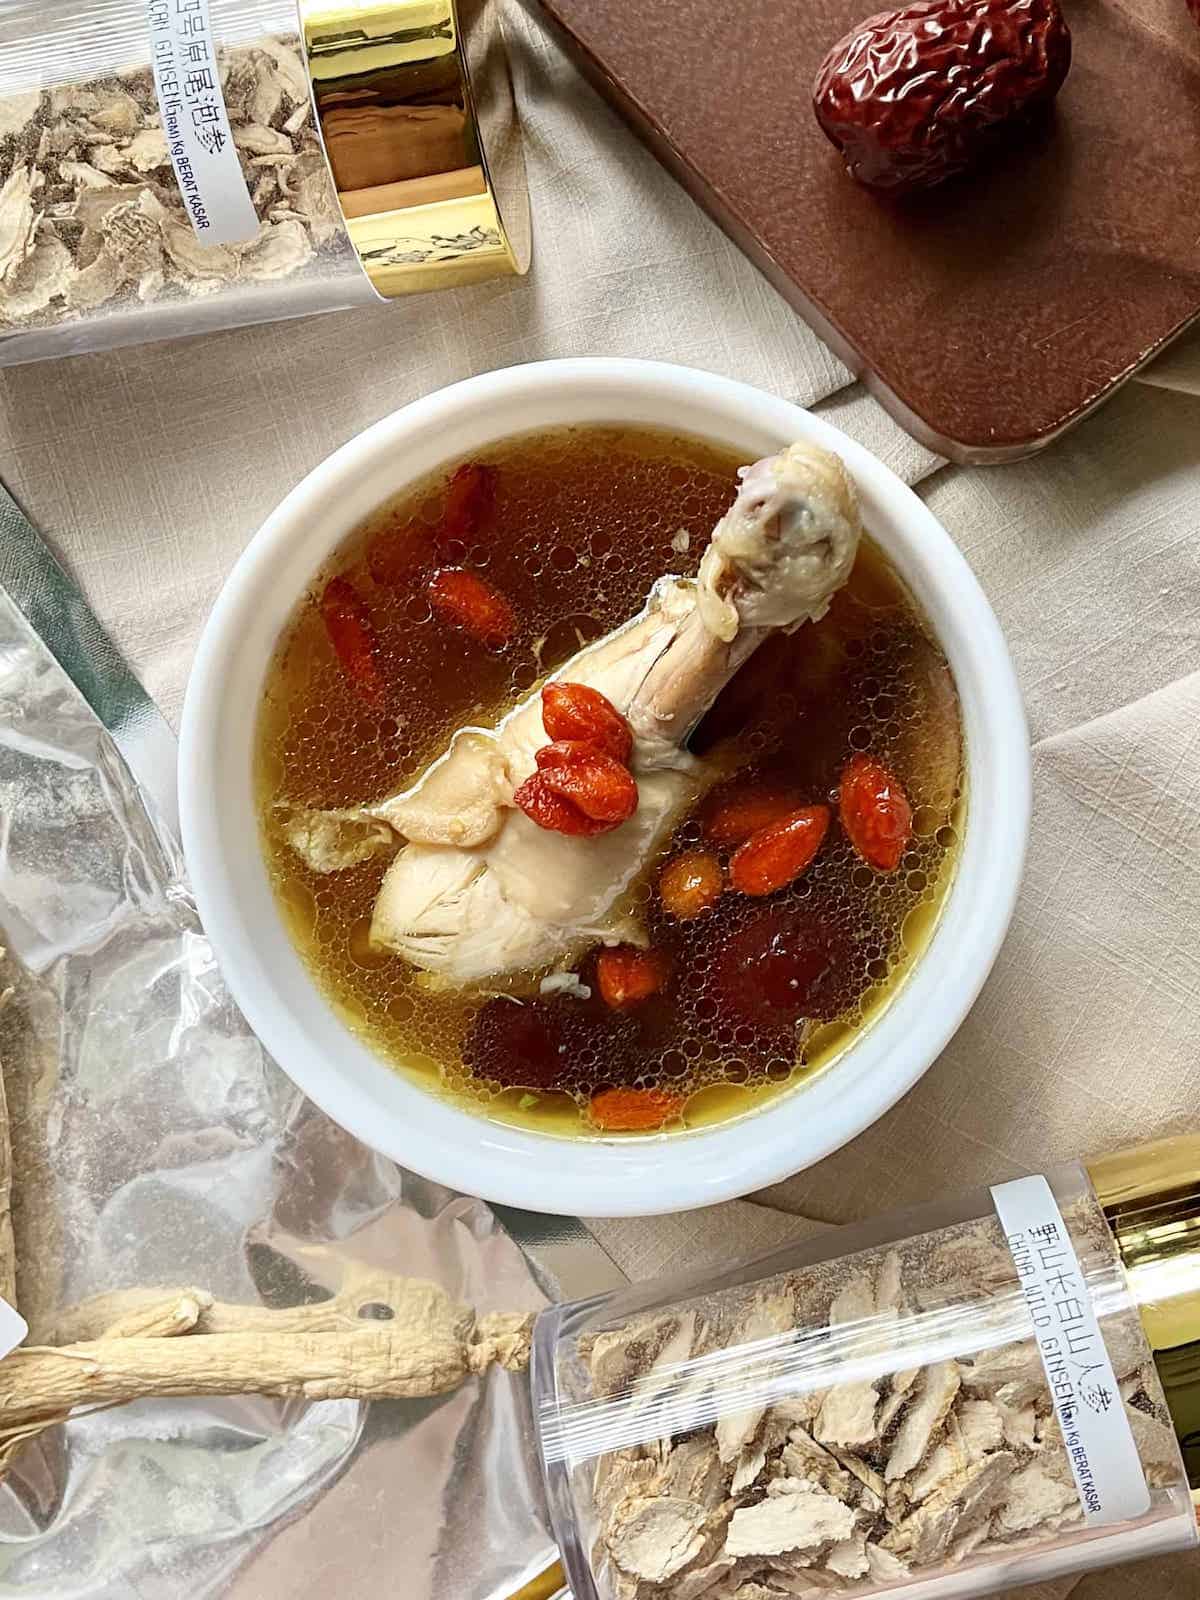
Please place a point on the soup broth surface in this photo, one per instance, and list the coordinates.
(763, 992)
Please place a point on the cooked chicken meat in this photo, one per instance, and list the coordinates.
(479, 889)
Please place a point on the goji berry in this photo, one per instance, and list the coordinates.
(777, 854)
(626, 976)
(470, 495)
(732, 815)
(875, 812)
(396, 554)
(602, 788)
(554, 813)
(690, 884)
(566, 753)
(463, 599)
(634, 1110)
(575, 711)
(348, 624)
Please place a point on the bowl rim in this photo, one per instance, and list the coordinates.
(386, 1109)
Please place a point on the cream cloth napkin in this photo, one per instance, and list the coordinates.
(150, 468)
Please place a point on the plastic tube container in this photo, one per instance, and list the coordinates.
(168, 167)
(995, 1390)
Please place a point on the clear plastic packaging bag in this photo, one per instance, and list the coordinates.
(155, 1144)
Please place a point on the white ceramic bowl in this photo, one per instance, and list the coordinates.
(268, 978)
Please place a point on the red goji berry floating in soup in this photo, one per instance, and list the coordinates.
(776, 855)
(627, 977)
(875, 813)
(690, 884)
(470, 496)
(735, 961)
(634, 1110)
(466, 601)
(348, 624)
(736, 811)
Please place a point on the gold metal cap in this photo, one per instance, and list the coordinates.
(415, 107)
(1151, 1197)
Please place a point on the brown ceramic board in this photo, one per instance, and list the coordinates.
(987, 316)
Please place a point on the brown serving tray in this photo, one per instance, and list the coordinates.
(990, 315)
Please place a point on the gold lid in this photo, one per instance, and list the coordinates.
(1151, 1197)
(415, 108)
(545, 1586)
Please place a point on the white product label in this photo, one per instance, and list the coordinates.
(183, 56)
(13, 1329)
(1084, 1389)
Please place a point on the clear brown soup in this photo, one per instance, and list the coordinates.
(763, 992)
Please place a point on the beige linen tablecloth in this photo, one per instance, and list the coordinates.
(149, 469)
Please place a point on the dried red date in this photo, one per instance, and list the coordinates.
(914, 96)
(552, 1045)
(784, 967)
